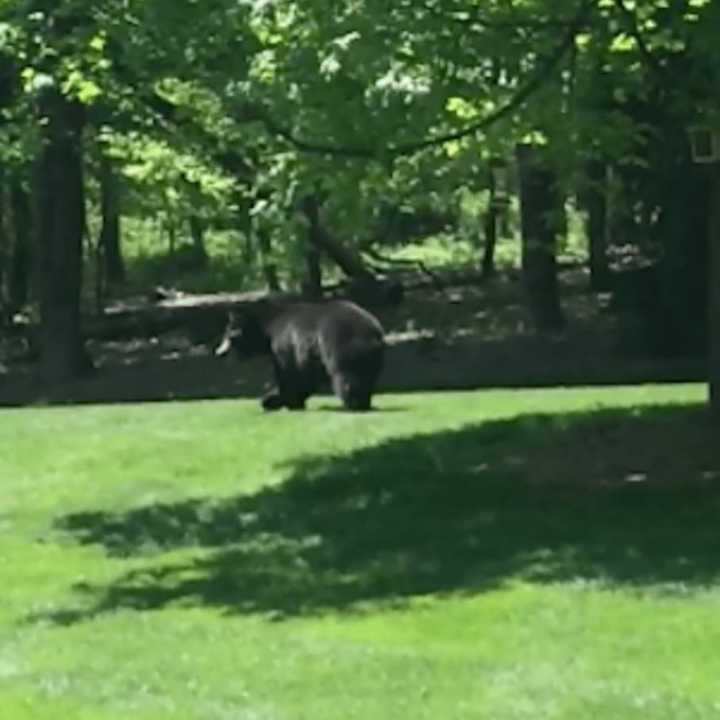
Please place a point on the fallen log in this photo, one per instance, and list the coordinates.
(203, 317)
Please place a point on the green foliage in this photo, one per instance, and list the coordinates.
(234, 110)
(230, 267)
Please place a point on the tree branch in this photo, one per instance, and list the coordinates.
(650, 60)
(472, 18)
(545, 70)
(530, 87)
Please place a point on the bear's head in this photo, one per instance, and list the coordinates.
(244, 334)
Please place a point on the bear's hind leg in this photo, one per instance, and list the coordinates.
(359, 402)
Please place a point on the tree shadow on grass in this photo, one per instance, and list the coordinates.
(619, 497)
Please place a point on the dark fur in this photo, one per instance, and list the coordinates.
(311, 343)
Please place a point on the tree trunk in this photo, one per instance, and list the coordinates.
(197, 232)
(312, 285)
(347, 259)
(21, 259)
(619, 221)
(109, 242)
(243, 225)
(595, 201)
(714, 296)
(491, 228)
(504, 225)
(5, 248)
(269, 268)
(61, 206)
(539, 203)
(172, 237)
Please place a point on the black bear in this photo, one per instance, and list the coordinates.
(310, 343)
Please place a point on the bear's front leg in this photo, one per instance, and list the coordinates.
(355, 393)
(291, 392)
(272, 400)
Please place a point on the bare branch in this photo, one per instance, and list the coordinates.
(310, 147)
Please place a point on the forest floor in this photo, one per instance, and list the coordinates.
(462, 337)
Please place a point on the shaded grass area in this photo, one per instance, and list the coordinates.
(617, 497)
(527, 554)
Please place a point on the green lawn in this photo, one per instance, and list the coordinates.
(505, 554)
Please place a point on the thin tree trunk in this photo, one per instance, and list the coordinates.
(491, 227)
(617, 215)
(197, 232)
(269, 268)
(61, 206)
(714, 296)
(109, 242)
(595, 201)
(504, 224)
(21, 260)
(5, 247)
(312, 285)
(243, 225)
(172, 238)
(539, 201)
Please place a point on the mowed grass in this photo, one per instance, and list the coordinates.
(498, 554)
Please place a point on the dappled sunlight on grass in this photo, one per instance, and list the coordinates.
(625, 497)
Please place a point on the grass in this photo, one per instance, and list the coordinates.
(498, 554)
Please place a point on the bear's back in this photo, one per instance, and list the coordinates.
(340, 318)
